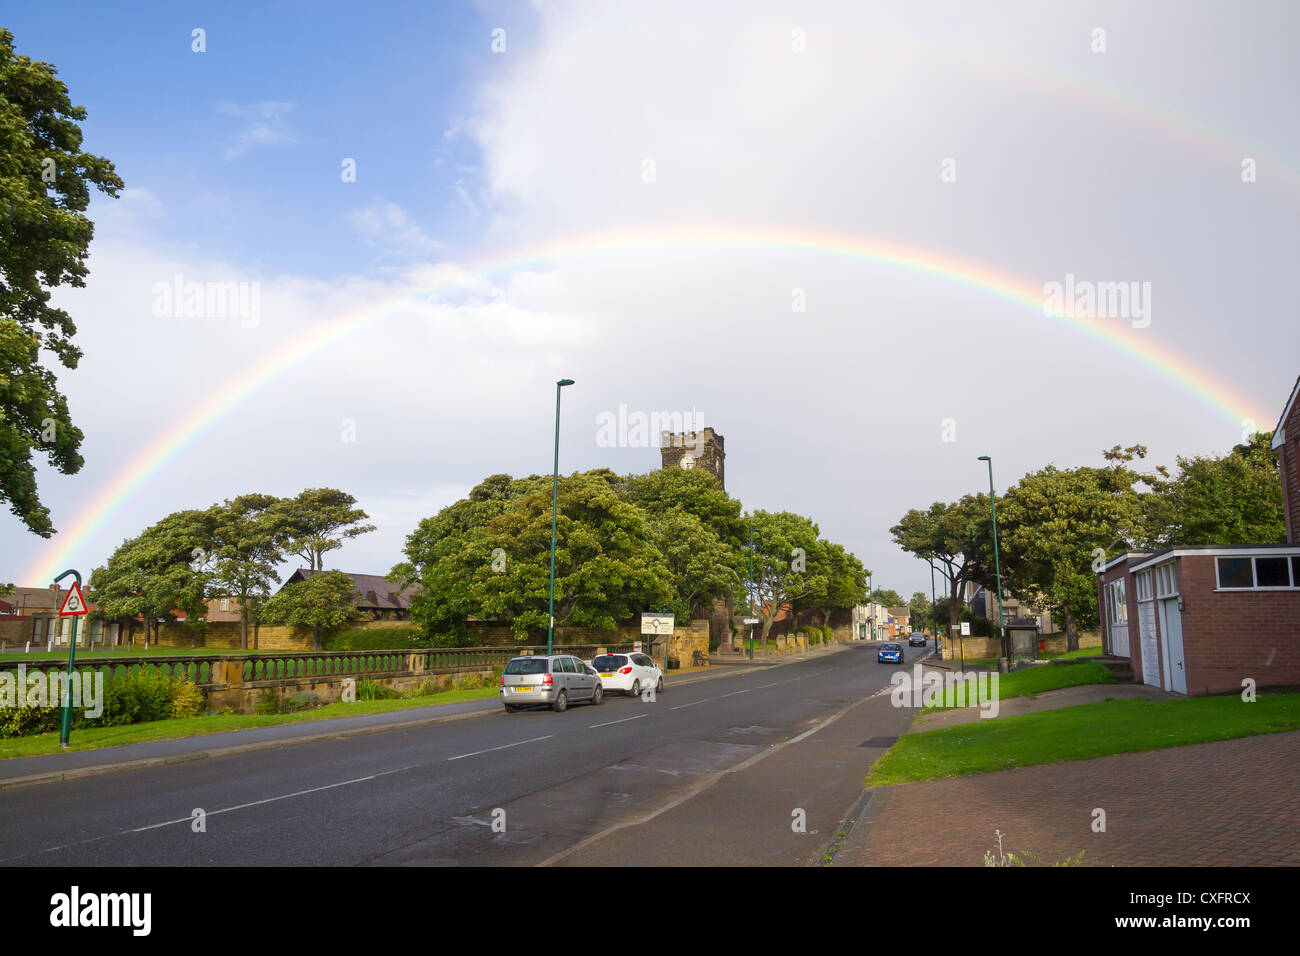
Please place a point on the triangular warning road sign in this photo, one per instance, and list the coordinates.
(74, 603)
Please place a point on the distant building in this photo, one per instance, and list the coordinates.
(702, 449)
(376, 595)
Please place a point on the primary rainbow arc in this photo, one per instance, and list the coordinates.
(150, 461)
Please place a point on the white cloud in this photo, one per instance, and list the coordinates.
(265, 127)
(385, 225)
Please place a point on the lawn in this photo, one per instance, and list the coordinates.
(90, 738)
(1081, 652)
(1036, 680)
(1080, 733)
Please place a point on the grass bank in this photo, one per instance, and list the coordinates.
(91, 738)
(1037, 680)
(1080, 733)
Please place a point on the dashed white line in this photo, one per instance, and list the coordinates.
(734, 693)
(692, 704)
(531, 740)
(623, 721)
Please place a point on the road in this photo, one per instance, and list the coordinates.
(714, 771)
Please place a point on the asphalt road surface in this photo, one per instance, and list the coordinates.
(627, 781)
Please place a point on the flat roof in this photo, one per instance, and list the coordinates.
(1241, 550)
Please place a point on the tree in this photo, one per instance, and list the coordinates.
(1055, 524)
(836, 579)
(248, 539)
(323, 602)
(44, 242)
(700, 567)
(488, 556)
(921, 611)
(696, 492)
(782, 542)
(157, 573)
(1236, 499)
(888, 597)
(957, 537)
(319, 520)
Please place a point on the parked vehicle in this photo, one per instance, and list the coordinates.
(629, 673)
(917, 640)
(890, 654)
(555, 680)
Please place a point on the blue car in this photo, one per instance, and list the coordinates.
(890, 654)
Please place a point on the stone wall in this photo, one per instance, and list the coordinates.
(686, 641)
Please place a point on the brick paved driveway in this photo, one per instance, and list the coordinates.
(1232, 802)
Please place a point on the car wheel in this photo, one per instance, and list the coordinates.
(636, 688)
(597, 695)
(659, 687)
(561, 703)
(511, 708)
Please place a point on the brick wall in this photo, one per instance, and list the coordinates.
(1232, 635)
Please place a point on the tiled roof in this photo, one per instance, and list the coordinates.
(377, 592)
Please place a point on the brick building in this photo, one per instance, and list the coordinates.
(1201, 620)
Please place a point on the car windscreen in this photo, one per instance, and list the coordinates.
(609, 662)
(892, 647)
(527, 665)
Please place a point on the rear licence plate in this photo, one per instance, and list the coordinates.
(523, 688)
(607, 673)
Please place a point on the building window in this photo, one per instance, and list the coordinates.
(1166, 580)
(1144, 585)
(225, 604)
(1117, 603)
(1269, 571)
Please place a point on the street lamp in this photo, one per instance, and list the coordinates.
(555, 505)
(997, 562)
(934, 605)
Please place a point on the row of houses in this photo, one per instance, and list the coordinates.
(1213, 619)
(32, 614)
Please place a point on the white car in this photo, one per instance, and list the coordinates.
(630, 673)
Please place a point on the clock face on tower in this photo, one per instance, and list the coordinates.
(688, 461)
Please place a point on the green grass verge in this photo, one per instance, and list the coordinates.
(91, 738)
(1080, 733)
(1081, 652)
(1036, 680)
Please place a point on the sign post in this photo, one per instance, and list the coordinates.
(74, 606)
(655, 625)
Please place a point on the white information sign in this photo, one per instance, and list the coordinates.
(656, 623)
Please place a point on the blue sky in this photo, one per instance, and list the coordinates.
(1113, 165)
(380, 83)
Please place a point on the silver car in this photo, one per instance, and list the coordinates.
(555, 680)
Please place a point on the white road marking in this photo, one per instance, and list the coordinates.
(734, 693)
(531, 740)
(623, 721)
(210, 813)
(680, 706)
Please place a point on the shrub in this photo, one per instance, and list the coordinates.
(187, 699)
(293, 703)
(477, 681)
(25, 720)
(373, 690)
(136, 697)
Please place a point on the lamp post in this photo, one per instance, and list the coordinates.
(934, 606)
(997, 562)
(555, 505)
(871, 608)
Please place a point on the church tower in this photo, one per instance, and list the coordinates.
(702, 449)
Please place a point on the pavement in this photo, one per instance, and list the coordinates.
(1227, 803)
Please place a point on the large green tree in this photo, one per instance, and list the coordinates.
(1235, 499)
(45, 180)
(957, 537)
(248, 540)
(320, 520)
(783, 542)
(164, 569)
(323, 602)
(1056, 524)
